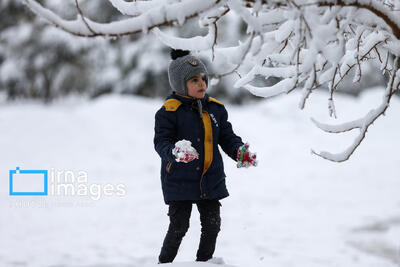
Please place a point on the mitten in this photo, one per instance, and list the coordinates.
(184, 152)
(246, 158)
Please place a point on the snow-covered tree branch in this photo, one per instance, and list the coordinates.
(306, 44)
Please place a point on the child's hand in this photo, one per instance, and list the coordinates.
(246, 158)
(184, 152)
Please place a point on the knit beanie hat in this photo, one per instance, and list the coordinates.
(183, 67)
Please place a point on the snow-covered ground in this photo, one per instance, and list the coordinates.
(293, 210)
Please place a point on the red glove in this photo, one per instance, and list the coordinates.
(246, 158)
(184, 152)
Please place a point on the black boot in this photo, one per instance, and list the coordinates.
(179, 216)
(210, 226)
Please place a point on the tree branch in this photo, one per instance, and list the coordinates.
(128, 26)
(387, 17)
(362, 124)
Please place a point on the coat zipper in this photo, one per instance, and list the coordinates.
(202, 174)
(202, 127)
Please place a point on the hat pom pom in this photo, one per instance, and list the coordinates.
(179, 53)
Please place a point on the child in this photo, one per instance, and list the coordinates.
(188, 129)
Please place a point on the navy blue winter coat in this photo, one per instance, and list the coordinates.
(203, 178)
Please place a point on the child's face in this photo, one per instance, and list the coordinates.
(197, 86)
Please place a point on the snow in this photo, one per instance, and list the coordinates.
(134, 8)
(196, 43)
(253, 22)
(184, 147)
(293, 210)
(153, 15)
(190, 264)
(281, 87)
(362, 124)
(284, 31)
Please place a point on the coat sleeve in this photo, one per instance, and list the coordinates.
(228, 140)
(165, 134)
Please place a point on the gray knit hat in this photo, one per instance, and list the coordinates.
(183, 67)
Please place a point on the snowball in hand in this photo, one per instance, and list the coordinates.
(184, 152)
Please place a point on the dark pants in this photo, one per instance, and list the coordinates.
(179, 216)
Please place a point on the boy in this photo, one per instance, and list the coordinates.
(188, 129)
